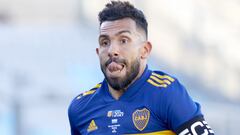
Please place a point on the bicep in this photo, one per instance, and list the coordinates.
(179, 106)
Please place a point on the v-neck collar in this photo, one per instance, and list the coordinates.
(131, 90)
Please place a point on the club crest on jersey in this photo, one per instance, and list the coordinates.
(140, 118)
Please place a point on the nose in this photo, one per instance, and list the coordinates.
(113, 50)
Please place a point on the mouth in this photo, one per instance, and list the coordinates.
(115, 67)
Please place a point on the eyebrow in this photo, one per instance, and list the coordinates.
(123, 31)
(119, 33)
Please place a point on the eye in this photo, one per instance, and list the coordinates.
(104, 42)
(124, 41)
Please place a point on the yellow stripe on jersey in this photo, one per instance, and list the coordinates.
(165, 132)
(156, 84)
(97, 86)
(88, 92)
(163, 77)
(159, 80)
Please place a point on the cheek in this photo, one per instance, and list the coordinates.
(102, 57)
(134, 54)
(130, 60)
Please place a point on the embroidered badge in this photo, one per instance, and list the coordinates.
(140, 118)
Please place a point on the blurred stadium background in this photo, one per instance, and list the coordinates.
(47, 56)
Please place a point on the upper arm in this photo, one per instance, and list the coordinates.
(71, 116)
(183, 115)
(179, 106)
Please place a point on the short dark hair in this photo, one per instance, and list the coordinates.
(116, 10)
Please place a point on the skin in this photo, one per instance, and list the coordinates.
(123, 52)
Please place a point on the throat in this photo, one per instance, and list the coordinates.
(116, 94)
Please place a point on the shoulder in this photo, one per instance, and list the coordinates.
(88, 93)
(175, 104)
(80, 100)
(166, 85)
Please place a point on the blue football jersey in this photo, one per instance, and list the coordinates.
(155, 104)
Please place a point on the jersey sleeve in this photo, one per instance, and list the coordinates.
(74, 131)
(71, 116)
(179, 106)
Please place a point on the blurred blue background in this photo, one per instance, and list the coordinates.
(47, 57)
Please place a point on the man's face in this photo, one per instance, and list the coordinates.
(119, 51)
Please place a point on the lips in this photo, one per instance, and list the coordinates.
(113, 67)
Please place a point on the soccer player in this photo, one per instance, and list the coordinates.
(132, 99)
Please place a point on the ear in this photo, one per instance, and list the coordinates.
(97, 51)
(146, 50)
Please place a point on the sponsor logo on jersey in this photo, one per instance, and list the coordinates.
(114, 127)
(140, 118)
(92, 126)
(115, 113)
(114, 121)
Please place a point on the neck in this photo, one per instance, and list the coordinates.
(118, 93)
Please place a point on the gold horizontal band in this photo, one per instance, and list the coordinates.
(163, 77)
(155, 84)
(160, 81)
